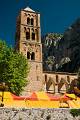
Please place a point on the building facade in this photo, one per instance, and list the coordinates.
(28, 42)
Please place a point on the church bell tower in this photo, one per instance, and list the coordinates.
(28, 42)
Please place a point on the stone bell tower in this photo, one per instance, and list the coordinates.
(28, 42)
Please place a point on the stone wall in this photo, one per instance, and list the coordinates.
(34, 78)
(36, 114)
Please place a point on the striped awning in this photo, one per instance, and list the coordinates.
(41, 100)
(46, 96)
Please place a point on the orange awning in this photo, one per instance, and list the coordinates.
(45, 96)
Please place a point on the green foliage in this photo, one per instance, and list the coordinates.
(54, 35)
(13, 68)
(75, 112)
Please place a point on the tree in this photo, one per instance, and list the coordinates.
(13, 68)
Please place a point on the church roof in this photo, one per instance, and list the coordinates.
(29, 9)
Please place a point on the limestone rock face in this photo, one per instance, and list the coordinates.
(50, 51)
(71, 47)
(64, 48)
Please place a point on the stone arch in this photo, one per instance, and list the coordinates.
(74, 83)
(61, 84)
(49, 83)
(32, 21)
(28, 21)
(33, 34)
(27, 33)
(32, 56)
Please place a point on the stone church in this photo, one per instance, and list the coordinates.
(28, 42)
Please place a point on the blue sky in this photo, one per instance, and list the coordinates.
(56, 15)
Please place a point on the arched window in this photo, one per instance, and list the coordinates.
(33, 56)
(33, 34)
(32, 21)
(28, 21)
(28, 34)
(28, 55)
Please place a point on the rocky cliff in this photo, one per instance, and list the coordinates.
(50, 51)
(62, 52)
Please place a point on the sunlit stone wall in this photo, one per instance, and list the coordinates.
(36, 114)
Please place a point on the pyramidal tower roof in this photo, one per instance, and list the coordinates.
(29, 9)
